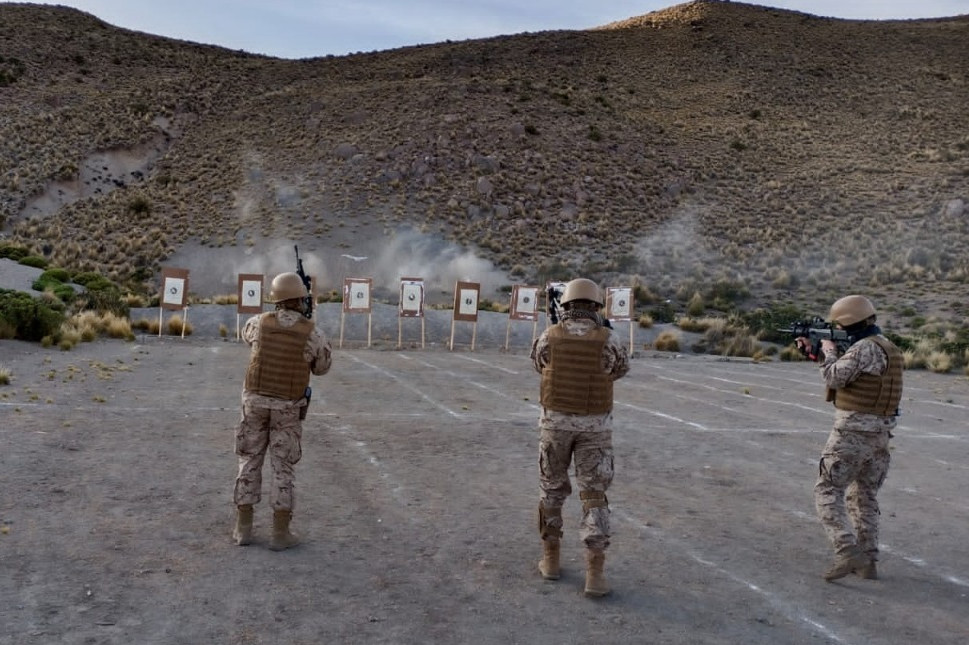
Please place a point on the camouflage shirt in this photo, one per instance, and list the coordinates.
(863, 356)
(615, 362)
(317, 354)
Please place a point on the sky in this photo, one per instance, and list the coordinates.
(310, 28)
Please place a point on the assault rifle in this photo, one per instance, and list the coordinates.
(308, 300)
(554, 296)
(816, 330)
(308, 312)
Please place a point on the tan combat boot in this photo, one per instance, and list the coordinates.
(242, 533)
(595, 582)
(847, 561)
(549, 564)
(281, 537)
(869, 571)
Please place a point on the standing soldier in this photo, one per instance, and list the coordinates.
(285, 348)
(578, 358)
(865, 385)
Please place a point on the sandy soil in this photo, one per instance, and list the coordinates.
(416, 499)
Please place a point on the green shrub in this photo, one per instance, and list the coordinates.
(34, 261)
(13, 251)
(765, 323)
(92, 280)
(100, 295)
(663, 313)
(60, 275)
(30, 318)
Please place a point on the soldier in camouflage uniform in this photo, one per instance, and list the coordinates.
(286, 347)
(865, 385)
(578, 358)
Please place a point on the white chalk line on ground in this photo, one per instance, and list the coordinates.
(785, 608)
(699, 427)
(825, 411)
(406, 385)
(482, 386)
(918, 562)
(396, 489)
(735, 432)
(813, 393)
(487, 364)
(735, 393)
(785, 375)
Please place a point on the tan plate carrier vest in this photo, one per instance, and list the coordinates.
(573, 380)
(277, 367)
(872, 393)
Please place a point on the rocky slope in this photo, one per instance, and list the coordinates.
(713, 147)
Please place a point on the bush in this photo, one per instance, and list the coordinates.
(765, 323)
(663, 314)
(176, 326)
(34, 261)
(56, 275)
(667, 341)
(101, 295)
(13, 251)
(30, 318)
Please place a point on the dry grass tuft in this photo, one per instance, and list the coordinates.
(176, 326)
(5, 375)
(701, 325)
(939, 362)
(667, 341)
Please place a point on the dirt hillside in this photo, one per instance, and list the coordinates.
(711, 147)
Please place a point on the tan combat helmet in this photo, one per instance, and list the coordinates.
(582, 289)
(287, 286)
(850, 310)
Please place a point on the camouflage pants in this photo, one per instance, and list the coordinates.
(852, 470)
(277, 432)
(592, 454)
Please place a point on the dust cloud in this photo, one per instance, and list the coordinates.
(385, 258)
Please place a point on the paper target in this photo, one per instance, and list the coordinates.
(619, 303)
(524, 303)
(174, 289)
(356, 294)
(250, 293)
(466, 301)
(411, 297)
(469, 302)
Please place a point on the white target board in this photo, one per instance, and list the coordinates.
(356, 295)
(619, 303)
(174, 291)
(250, 293)
(466, 301)
(524, 303)
(411, 298)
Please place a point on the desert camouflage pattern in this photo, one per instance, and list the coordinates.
(863, 356)
(852, 470)
(855, 459)
(274, 431)
(585, 440)
(615, 361)
(271, 425)
(592, 453)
